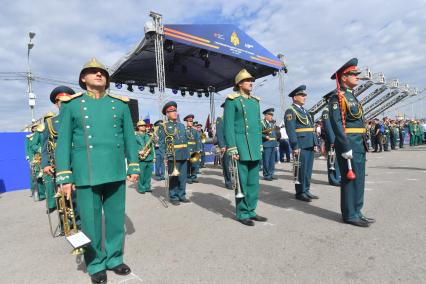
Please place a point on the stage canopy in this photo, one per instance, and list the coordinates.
(196, 57)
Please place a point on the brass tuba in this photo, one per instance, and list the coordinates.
(195, 157)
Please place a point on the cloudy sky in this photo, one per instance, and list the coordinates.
(316, 37)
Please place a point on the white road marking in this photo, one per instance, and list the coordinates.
(268, 224)
(370, 182)
(131, 277)
(412, 179)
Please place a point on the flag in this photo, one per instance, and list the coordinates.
(207, 125)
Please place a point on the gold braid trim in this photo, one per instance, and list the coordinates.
(302, 120)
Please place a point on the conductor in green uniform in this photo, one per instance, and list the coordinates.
(303, 140)
(146, 157)
(346, 116)
(220, 135)
(244, 143)
(95, 139)
(333, 171)
(174, 143)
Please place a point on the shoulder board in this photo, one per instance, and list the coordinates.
(30, 135)
(70, 97)
(40, 128)
(121, 98)
(257, 98)
(233, 96)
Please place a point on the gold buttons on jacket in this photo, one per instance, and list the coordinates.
(87, 126)
(113, 107)
(83, 101)
(85, 108)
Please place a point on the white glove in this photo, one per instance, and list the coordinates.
(347, 155)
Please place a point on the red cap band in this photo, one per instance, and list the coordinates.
(349, 69)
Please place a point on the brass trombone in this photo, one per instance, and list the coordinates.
(296, 168)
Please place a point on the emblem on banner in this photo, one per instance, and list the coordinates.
(234, 39)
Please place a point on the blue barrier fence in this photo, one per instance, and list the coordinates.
(14, 169)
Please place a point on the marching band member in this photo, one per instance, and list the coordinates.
(303, 141)
(347, 121)
(146, 157)
(244, 144)
(95, 137)
(174, 143)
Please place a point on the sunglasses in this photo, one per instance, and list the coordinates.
(169, 111)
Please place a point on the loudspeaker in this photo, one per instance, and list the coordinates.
(134, 111)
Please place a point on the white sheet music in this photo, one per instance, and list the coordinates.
(78, 240)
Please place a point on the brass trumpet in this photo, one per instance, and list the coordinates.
(195, 157)
(71, 230)
(332, 158)
(235, 178)
(296, 168)
(147, 148)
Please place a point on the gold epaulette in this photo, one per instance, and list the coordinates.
(70, 97)
(233, 96)
(121, 98)
(40, 128)
(257, 98)
(30, 135)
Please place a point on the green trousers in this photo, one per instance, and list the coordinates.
(249, 183)
(109, 197)
(352, 191)
(144, 182)
(50, 191)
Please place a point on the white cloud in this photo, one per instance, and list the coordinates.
(315, 36)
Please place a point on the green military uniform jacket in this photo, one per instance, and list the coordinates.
(141, 140)
(180, 141)
(243, 128)
(50, 135)
(300, 128)
(95, 138)
(220, 135)
(272, 142)
(28, 152)
(194, 140)
(354, 120)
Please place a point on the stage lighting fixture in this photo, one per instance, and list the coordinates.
(274, 73)
(191, 92)
(174, 91)
(152, 89)
(130, 87)
(182, 92)
(118, 85)
(207, 94)
(199, 94)
(169, 46)
(141, 88)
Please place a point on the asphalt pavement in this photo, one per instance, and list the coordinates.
(201, 242)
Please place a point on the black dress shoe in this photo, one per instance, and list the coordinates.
(189, 181)
(141, 192)
(274, 178)
(185, 200)
(195, 181)
(99, 277)
(175, 202)
(259, 218)
(368, 220)
(246, 222)
(304, 198)
(149, 190)
(358, 223)
(311, 196)
(268, 178)
(122, 269)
